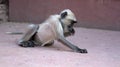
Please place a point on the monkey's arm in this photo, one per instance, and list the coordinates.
(61, 38)
(70, 45)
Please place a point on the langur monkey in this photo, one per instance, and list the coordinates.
(56, 27)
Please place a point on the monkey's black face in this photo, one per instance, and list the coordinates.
(70, 28)
(68, 19)
(72, 23)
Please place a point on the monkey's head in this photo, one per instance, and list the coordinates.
(68, 19)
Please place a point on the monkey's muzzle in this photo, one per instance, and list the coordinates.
(71, 32)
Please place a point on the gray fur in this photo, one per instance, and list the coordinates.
(56, 27)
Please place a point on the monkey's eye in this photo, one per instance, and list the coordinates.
(72, 21)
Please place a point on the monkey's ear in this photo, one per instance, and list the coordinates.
(63, 15)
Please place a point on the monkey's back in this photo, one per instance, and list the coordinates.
(47, 31)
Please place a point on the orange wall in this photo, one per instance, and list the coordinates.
(104, 14)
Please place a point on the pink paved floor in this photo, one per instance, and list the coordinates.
(103, 50)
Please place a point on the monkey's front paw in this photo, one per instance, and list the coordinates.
(82, 51)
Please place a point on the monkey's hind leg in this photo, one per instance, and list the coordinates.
(49, 44)
(28, 39)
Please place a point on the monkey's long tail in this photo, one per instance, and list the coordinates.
(14, 33)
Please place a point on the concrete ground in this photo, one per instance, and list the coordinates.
(103, 49)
